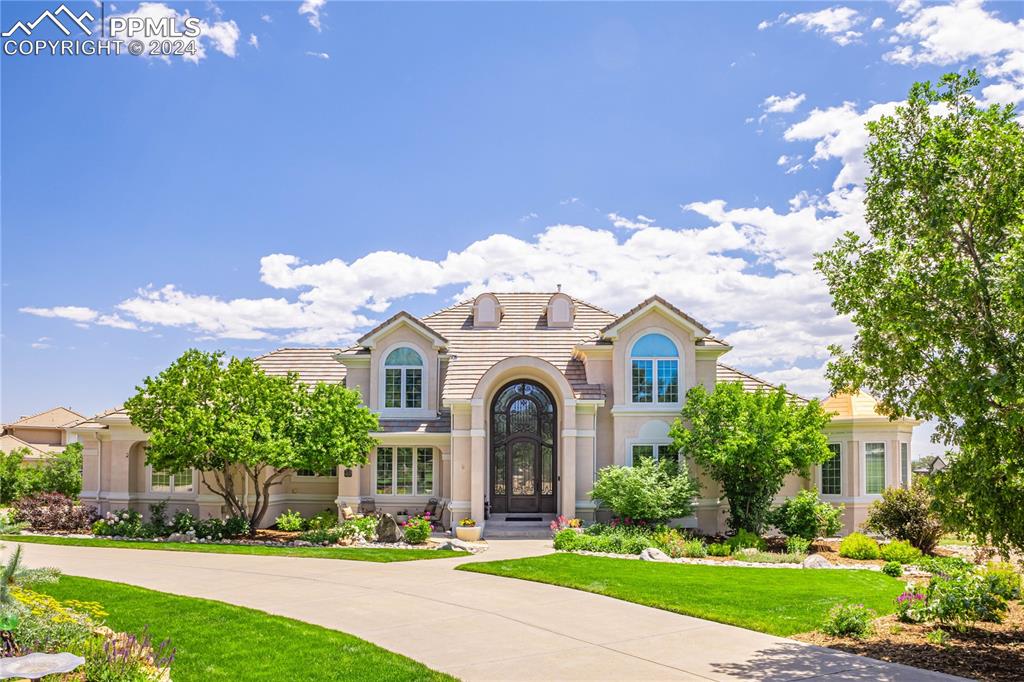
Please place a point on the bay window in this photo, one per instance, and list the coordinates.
(874, 468)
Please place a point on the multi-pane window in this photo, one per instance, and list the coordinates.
(654, 370)
(167, 482)
(874, 468)
(905, 464)
(653, 451)
(403, 379)
(405, 471)
(832, 473)
(309, 473)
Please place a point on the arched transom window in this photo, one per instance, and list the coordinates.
(403, 379)
(654, 370)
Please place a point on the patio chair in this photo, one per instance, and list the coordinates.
(367, 506)
(347, 514)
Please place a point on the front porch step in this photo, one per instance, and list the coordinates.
(534, 526)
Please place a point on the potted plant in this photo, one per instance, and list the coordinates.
(468, 531)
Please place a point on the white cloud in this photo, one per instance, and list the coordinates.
(82, 316)
(42, 343)
(836, 23)
(312, 10)
(569, 201)
(528, 217)
(254, 40)
(266, 19)
(641, 222)
(878, 23)
(783, 104)
(318, 55)
(960, 32)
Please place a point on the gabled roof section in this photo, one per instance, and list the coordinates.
(751, 383)
(656, 302)
(9, 443)
(53, 418)
(313, 365)
(523, 331)
(369, 338)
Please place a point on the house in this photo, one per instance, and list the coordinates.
(43, 434)
(928, 465)
(507, 406)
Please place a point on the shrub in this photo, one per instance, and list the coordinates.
(565, 539)
(158, 518)
(54, 512)
(858, 546)
(611, 542)
(676, 544)
(758, 557)
(416, 530)
(948, 566)
(290, 521)
(893, 568)
(912, 606)
(121, 523)
(797, 545)
(210, 529)
(719, 549)
(848, 620)
(906, 515)
(1003, 579)
(183, 521)
(651, 491)
(236, 526)
(938, 636)
(745, 539)
(805, 516)
(325, 519)
(963, 599)
(364, 528)
(900, 551)
(319, 536)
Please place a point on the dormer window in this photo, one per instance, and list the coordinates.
(654, 370)
(561, 311)
(403, 379)
(486, 311)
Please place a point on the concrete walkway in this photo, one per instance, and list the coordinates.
(473, 626)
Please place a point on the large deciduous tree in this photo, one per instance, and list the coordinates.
(749, 442)
(936, 291)
(246, 430)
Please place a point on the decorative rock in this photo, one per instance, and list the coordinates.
(816, 561)
(654, 554)
(302, 543)
(181, 537)
(388, 530)
(456, 545)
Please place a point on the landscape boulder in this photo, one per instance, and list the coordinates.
(388, 530)
(816, 561)
(456, 544)
(654, 554)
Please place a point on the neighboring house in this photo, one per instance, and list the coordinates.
(508, 405)
(43, 434)
(928, 465)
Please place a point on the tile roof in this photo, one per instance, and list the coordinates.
(750, 383)
(655, 299)
(523, 331)
(9, 443)
(50, 419)
(401, 315)
(443, 424)
(313, 365)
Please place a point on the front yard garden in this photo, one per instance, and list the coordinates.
(216, 641)
(779, 602)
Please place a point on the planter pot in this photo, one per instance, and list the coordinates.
(468, 533)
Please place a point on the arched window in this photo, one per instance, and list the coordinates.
(403, 379)
(654, 370)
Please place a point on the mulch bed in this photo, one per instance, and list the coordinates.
(268, 535)
(987, 651)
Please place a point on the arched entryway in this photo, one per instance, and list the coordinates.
(523, 450)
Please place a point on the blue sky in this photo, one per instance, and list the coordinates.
(325, 165)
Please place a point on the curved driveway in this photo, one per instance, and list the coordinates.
(474, 626)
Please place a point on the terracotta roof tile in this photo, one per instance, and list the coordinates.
(313, 365)
(647, 302)
(50, 419)
(750, 382)
(9, 443)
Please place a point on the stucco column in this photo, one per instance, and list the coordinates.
(120, 474)
(567, 477)
(348, 487)
(478, 461)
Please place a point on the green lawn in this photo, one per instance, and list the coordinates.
(779, 601)
(379, 555)
(217, 641)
